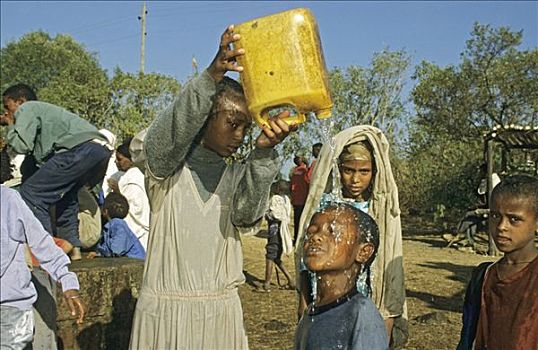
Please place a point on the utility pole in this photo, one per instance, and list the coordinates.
(142, 18)
(194, 66)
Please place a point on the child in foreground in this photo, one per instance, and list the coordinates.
(18, 226)
(341, 242)
(118, 239)
(189, 294)
(501, 302)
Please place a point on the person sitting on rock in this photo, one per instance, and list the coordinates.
(117, 239)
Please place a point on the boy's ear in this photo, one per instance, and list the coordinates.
(364, 253)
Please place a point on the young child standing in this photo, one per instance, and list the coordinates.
(117, 239)
(340, 243)
(501, 302)
(364, 180)
(279, 236)
(18, 226)
(194, 265)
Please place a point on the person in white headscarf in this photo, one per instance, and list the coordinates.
(131, 185)
(387, 288)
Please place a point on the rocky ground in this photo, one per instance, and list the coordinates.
(436, 277)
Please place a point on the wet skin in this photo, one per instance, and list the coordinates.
(331, 241)
(227, 127)
(332, 251)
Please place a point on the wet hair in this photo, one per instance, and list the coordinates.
(367, 232)
(20, 91)
(519, 186)
(227, 88)
(123, 149)
(116, 205)
(5, 166)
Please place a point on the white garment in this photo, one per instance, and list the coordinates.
(483, 188)
(111, 168)
(16, 162)
(110, 137)
(188, 298)
(131, 185)
(112, 172)
(280, 209)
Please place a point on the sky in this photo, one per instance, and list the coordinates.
(351, 31)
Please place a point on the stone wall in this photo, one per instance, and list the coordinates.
(109, 288)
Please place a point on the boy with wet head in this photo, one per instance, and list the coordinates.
(340, 246)
(501, 302)
(362, 177)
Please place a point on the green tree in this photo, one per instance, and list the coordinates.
(494, 84)
(361, 95)
(137, 99)
(60, 70)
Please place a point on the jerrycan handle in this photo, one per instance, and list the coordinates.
(263, 117)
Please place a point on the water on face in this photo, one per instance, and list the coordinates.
(335, 195)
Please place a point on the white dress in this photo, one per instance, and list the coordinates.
(131, 185)
(188, 298)
(280, 209)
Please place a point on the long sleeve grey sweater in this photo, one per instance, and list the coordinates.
(169, 146)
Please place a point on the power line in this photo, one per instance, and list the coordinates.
(100, 25)
(101, 43)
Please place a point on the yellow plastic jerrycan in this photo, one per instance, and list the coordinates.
(284, 66)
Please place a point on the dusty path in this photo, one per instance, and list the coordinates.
(435, 282)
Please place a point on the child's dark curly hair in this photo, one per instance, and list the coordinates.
(367, 232)
(519, 186)
(5, 165)
(227, 88)
(116, 206)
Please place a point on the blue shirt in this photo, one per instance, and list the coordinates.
(352, 322)
(119, 240)
(18, 226)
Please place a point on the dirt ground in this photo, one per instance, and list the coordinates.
(436, 277)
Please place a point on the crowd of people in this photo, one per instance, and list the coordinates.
(170, 196)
